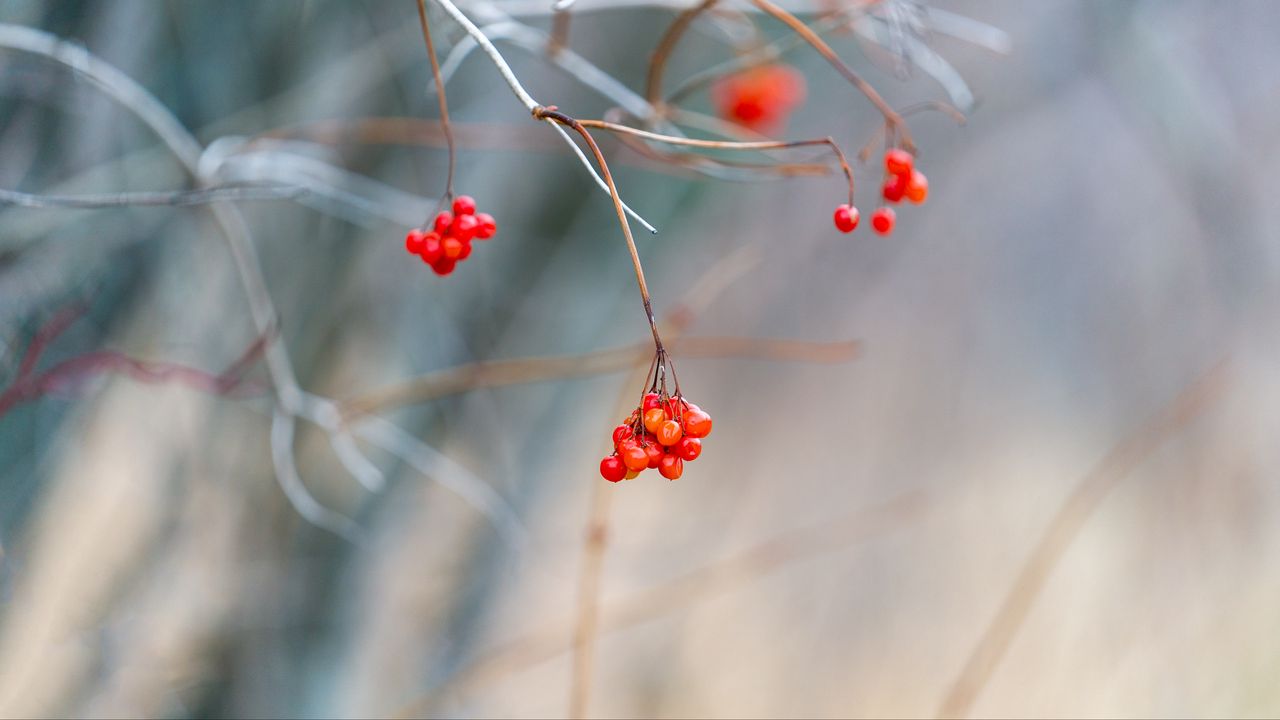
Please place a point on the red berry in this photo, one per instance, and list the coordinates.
(917, 187)
(444, 265)
(620, 433)
(688, 448)
(466, 251)
(413, 241)
(654, 451)
(846, 218)
(895, 186)
(671, 467)
(650, 401)
(654, 418)
(898, 161)
(430, 252)
(488, 226)
(451, 247)
(882, 220)
(464, 227)
(442, 222)
(669, 432)
(697, 424)
(464, 205)
(633, 456)
(612, 469)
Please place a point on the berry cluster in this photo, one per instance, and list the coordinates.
(760, 98)
(449, 241)
(662, 433)
(901, 180)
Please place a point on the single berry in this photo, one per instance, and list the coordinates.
(898, 161)
(669, 433)
(632, 474)
(445, 265)
(413, 241)
(688, 448)
(451, 247)
(846, 218)
(671, 467)
(654, 451)
(464, 205)
(488, 226)
(612, 469)
(650, 401)
(464, 227)
(882, 220)
(443, 221)
(917, 187)
(633, 456)
(430, 248)
(654, 418)
(697, 424)
(620, 433)
(895, 186)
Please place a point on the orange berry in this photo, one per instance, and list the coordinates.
(669, 433)
(917, 187)
(697, 424)
(671, 467)
(654, 418)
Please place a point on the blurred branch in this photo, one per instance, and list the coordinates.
(203, 196)
(291, 401)
(601, 362)
(1066, 525)
(683, 591)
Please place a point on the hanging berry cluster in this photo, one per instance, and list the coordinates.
(901, 180)
(449, 241)
(663, 433)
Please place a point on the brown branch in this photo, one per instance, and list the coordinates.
(1065, 526)
(545, 113)
(710, 580)
(729, 145)
(602, 362)
(891, 117)
(658, 61)
(444, 105)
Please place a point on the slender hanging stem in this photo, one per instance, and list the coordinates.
(444, 103)
(544, 113)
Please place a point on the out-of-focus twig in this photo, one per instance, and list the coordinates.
(719, 577)
(1065, 526)
(203, 196)
(529, 370)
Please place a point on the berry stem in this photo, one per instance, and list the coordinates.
(543, 113)
(729, 145)
(444, 106)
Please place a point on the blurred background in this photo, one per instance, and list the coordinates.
(1046, 485)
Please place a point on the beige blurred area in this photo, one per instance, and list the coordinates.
(1047, 484)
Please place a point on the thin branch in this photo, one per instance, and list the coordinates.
(178, 198)
(444, 104)
(542, 113)
(1066, 525)
(501, 373)
(730, 145)
(713, 579)
(891, 117)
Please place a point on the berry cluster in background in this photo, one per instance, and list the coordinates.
(449, 241)
(901, 181)
(662, 434)
(760, 99)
